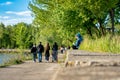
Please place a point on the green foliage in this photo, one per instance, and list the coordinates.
(1, 30)
(16, 36)
(72, 15)
(103, 44)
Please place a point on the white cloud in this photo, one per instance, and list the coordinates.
(4, 17)
(6, 3)
(17, 20)
(22, 13)
(16, 17)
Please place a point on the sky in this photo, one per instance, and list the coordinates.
(15, 11)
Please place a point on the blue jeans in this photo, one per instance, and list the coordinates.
(34, 56)
(40, 56)
(55, 56)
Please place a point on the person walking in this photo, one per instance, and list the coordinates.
(34, 52)
(47, 53)
(40, 51)
(55, 52)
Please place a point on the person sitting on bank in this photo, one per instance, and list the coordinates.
(79, 38)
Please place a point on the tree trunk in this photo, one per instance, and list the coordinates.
(89, 31)
(0, 43)
(112, 20)
(101, 27)
(98, 33)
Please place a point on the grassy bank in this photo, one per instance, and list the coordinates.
(103, 44)
(18, 59)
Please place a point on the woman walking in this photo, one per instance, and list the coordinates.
(47, 53)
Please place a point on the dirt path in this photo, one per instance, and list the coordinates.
(30, 71)
(80, 65)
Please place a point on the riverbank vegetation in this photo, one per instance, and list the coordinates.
(58, 20)
(103, 44)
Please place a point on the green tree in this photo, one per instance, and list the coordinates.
(67, 18)
(21, 35)
(2, 28)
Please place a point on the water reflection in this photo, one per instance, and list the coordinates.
(5, 57)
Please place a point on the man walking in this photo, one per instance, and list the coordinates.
(40, 50)
(55, 52)
(34, 52)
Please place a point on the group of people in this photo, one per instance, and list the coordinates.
(40, 49)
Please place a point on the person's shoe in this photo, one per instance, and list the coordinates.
(47, 61)
(52, 60)
(40, 61)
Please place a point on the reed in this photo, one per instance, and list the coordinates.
(103, 44)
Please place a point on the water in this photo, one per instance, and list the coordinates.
(5, 57)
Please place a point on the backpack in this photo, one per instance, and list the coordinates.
(41, 48)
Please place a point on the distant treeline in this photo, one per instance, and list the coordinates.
(16, 36)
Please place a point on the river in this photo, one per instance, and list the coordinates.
(6, 57)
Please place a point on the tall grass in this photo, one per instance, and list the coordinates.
(103, 44)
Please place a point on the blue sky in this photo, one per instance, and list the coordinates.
(15, 11)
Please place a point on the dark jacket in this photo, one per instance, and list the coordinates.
(40, 48)
(33, 50)
(55, 47)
